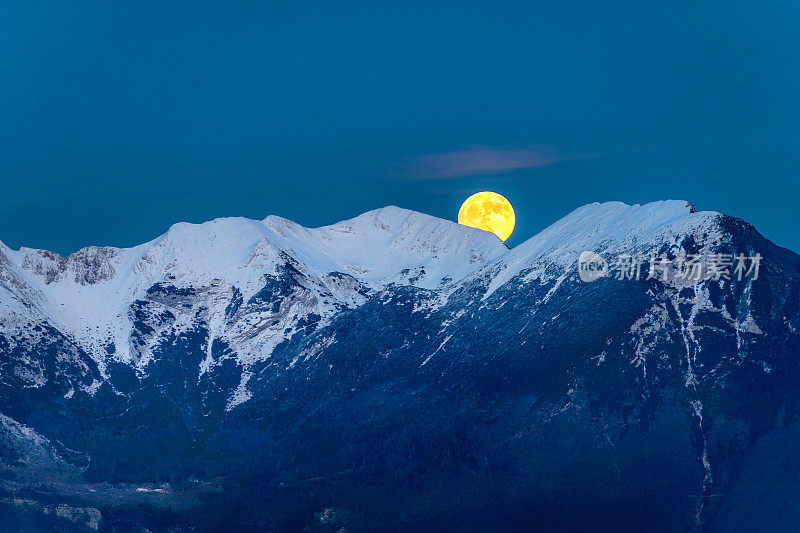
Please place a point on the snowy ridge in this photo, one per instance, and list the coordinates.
(89, 294)
(379, 246)
(607, 228)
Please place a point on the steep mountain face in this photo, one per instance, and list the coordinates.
(399, 371)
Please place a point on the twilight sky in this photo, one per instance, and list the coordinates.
(118, 119)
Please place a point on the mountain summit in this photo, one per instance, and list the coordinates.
(399, 371)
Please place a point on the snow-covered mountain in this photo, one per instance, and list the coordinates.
(91, 295)
(401, 352)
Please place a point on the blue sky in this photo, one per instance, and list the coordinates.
(118, 119)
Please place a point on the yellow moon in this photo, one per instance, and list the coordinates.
(488, 211)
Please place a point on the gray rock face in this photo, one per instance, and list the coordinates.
(93, 265)
(88, 266)
(45, 264)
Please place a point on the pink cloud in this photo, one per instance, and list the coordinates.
(481, 160)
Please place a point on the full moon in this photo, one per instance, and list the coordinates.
(488, 211)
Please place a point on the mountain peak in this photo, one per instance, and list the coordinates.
(597, 225)
(393, 218)
(380, 244)
(608, 227)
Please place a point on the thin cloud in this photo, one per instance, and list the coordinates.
(481, 161)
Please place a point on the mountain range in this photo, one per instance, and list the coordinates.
(402, 372)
